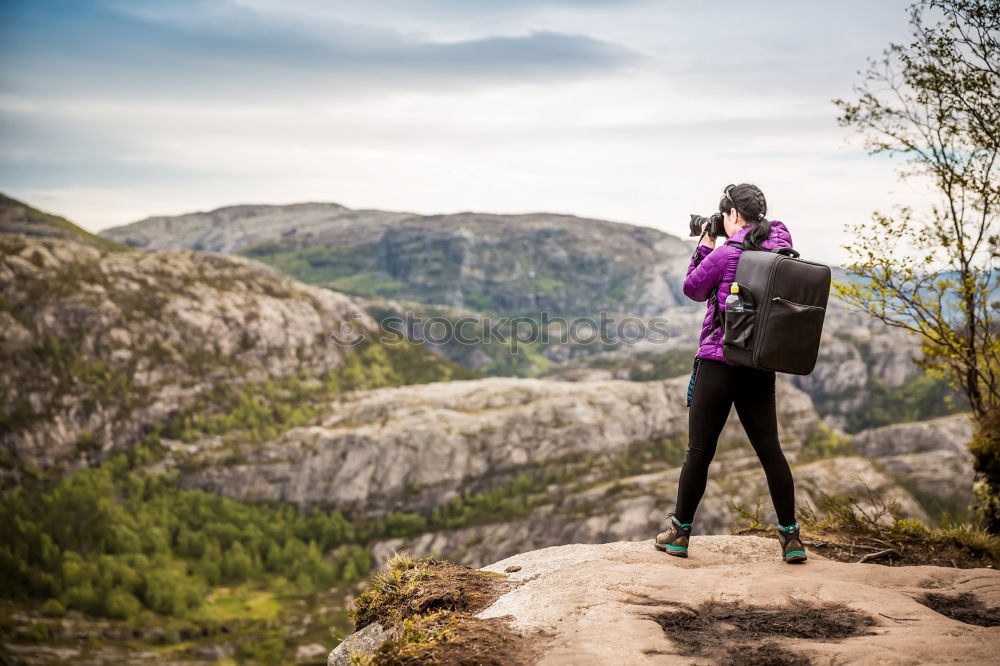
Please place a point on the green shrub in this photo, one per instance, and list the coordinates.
(121, 605)
(53, 608)
(920, 398)
(270, 648)
(823, 442)
(36, 633)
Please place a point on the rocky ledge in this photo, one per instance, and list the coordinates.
(732, 601)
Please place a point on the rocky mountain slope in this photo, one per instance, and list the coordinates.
(101, 349)
(17, 217)
(232, 229)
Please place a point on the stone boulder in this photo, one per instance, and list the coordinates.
(930, 457)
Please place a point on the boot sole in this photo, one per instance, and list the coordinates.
(795, 559)
(675, 553)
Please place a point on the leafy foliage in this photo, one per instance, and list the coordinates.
(933, 102)
(985, 448)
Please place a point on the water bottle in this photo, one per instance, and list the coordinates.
(733, 302)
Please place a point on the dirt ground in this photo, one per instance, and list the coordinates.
(738, 633)
(456, 588)
(965, 607)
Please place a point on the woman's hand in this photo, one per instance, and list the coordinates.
(706, 240)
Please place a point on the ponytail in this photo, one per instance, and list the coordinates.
(760, 232)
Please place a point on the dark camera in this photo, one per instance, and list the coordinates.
(714, 229)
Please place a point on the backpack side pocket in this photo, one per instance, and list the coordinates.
(739, 329)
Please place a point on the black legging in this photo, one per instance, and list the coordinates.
(717, 387)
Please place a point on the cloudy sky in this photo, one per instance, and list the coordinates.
(636, 111)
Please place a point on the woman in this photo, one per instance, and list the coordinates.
(718, 384)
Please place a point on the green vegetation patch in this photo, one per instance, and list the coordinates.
(260, 411)
(225, 604)
(110, 542)
(347, 269)
(919, 398)
(824, 442)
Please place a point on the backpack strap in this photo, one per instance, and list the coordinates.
(717, 320)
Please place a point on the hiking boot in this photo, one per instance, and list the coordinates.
(792, 549)
(675, 539)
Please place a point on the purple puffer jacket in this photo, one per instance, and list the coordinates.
(715, 269)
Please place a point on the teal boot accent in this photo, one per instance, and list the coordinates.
(675, 539)
(792, 550)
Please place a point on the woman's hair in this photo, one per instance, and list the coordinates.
(750, 203)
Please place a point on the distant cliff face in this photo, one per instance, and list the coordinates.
(860, 362)
(501, 264)
(417, 447)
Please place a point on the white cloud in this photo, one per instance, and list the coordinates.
(712, 98)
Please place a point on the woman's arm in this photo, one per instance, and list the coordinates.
(705, 272)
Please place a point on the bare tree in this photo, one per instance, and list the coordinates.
(934, 101)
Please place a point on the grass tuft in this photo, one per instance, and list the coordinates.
(390, 591)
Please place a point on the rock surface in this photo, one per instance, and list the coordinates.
(413, 447)
(932, 457)
(365, 641)
(596, 604)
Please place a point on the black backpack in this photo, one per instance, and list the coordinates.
(785, 299)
